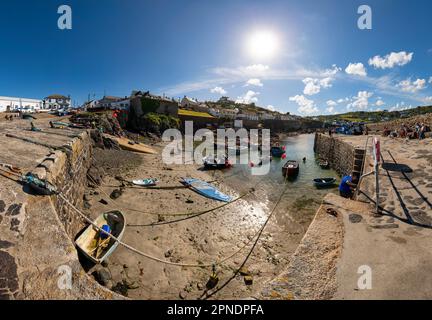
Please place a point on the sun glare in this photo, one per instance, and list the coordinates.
(262, 45)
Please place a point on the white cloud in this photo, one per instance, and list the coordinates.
(391, 60)
(257, 68)
(306, 106)
(356, 69)
(430, 80)
(313, 86)
(248, 97)
(218, 90)
(408, 86)
(330, 109)
(428, 99)
(343, 100)
(254, 82)
(271, 108)
(400, 107)
(361, 101)
(379, 103)
(331, 103)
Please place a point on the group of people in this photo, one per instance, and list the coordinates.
(9, 117)
(417, 132)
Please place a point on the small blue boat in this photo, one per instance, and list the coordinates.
(205, 189)
(277, 152)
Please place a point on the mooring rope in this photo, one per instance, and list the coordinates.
(193, 214)
(204, 265)
(258, 236)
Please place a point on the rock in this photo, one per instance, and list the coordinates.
(189, 201)
(120, 288)
(87, 205)
(182, 295)
(355, 218)
(131, 284)
(96, 193)
(102, 276)
(103, 201)
(86, 197)
(104, 264)
(248, 280)
(244, 271)
(116, 194)
(161, 218)
(168, 253)
(200, 286)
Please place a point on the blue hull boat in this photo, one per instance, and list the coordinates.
(205, 189)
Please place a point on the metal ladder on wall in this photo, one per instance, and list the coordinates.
(359, 165)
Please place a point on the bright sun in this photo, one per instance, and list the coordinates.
(262, 45)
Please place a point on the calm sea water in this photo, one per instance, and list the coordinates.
(301, 196)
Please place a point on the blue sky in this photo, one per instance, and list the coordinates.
(202, 49)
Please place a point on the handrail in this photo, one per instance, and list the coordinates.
(362, 169)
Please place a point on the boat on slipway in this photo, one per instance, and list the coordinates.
(96, 245)
(129, 145)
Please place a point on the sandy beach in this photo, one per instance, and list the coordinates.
(199, 240)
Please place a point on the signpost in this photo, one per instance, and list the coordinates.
(377, 157)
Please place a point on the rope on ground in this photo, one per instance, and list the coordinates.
(145, 254)
(178, 214)
(260, 232)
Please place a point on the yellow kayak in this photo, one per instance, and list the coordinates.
(129, 145)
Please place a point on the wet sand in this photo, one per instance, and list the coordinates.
(200, 240)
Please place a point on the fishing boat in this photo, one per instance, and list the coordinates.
(205, 189)
(213, 163)
(277, 151)
(96, 245)
(324, 182)
(290, 168)
(150, 182)
(128, 145)
(324, 164)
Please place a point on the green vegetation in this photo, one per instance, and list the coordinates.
(375, 116)
(159, 122)
(149, 105)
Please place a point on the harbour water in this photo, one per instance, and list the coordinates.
(301, 198)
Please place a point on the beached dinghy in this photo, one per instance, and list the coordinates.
(324, 164)
(205, 189)
(290, 168)
(145, 182)
(277, 151)
(96, 245)
(129, 145)
(324, 182)
(216, 163)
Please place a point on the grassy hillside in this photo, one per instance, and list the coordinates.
(376, 116)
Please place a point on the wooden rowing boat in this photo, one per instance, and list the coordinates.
(129, 145)
(291, 168)
(96, 245)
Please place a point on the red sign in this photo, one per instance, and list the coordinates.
(377, 150)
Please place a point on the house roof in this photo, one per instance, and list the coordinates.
(56, 96)
(183, 112)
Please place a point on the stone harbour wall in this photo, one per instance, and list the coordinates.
(339, 153)
(38, 259)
